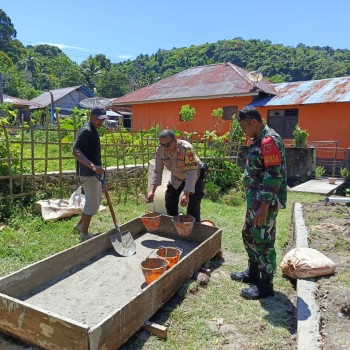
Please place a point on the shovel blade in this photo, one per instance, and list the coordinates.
(123, 242)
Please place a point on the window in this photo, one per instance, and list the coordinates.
(229, 111)
(283, 121)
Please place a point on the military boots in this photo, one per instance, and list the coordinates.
(250, 275)
(263, 289)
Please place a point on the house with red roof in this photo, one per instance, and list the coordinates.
(322, 107)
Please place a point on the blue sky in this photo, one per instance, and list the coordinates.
(126, 29)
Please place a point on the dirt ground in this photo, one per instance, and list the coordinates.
(329, 232)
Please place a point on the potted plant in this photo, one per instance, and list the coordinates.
(332, 180)
(319, 171)
(300, 137)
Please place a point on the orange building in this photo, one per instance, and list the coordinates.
(205, 88)
(322, 107)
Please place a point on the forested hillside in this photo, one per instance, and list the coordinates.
(28, 70)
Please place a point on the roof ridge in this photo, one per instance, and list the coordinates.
(234, 67)
(308, 81)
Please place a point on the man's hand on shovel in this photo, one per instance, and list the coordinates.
(102, 179)
(97, 169)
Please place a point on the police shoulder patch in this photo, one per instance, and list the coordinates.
(190, 159)
(270, 152)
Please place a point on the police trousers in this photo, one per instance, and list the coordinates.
(172, 197)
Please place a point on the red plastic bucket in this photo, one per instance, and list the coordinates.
(151, 221)
(183, 224)
(171, 254)
(153, 268)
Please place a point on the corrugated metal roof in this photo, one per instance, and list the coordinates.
(15, 101)
(308, 92)
(45, 99)
(215, 80)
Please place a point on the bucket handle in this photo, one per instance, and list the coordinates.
(166, 249)
(154, 208)
(152, 251)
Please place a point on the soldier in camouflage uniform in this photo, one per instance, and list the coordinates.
(265, 179)
(187, 174)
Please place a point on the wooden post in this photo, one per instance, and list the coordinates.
(347, 163)
(335, 157)
(156, 329)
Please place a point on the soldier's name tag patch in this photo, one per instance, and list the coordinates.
(270, 152)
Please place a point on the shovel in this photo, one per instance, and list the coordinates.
(122, 242)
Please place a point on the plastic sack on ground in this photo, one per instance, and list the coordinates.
(306, 263)
(54, 209)
(77, 199)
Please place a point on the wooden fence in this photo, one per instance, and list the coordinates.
(39, 158)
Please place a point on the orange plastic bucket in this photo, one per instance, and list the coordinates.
(152, 268)
(183, 224)
(151, 221)
(171, 254)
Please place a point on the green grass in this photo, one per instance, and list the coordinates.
(193, 312)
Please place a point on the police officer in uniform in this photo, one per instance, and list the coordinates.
(187, 174)
(265, 179)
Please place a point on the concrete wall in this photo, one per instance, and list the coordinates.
(301, 163)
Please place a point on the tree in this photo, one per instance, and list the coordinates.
(187, 114)
(105, 63)
(112, 84)
(72, 76)
(7, 31)
(31, 67)
(49, 51)
(91, 69)
(5, 62)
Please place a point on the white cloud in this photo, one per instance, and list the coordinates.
(63, 46)
(124, 57)
(80, 52)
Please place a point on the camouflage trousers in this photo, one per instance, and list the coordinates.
(259, 242)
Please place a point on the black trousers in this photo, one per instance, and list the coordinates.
(172, 197)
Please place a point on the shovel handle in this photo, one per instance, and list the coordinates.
(108, 198)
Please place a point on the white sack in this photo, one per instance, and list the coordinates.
(53, 209)
(77, 199)
(305, 263)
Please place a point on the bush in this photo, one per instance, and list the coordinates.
(343, 172)
(212, 191)
(234, 197)
(227, 176)
(319, 170)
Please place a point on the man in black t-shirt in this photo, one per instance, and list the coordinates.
(87, 151)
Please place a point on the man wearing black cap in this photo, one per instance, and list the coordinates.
(87, 151)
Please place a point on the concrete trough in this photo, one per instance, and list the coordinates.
(89, 298)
